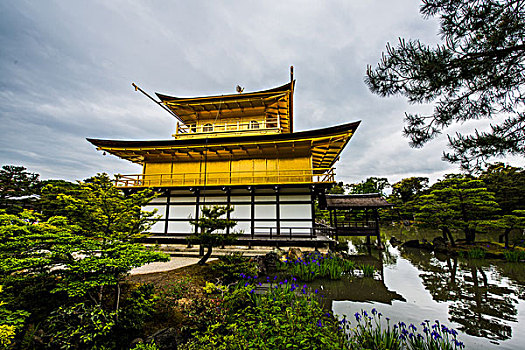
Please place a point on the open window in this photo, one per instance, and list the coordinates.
(207, 128)
(254, 124)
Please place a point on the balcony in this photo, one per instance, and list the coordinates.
(270, 125)
(325, 175)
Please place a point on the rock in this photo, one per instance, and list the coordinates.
(278, 251)
(440, 244)
(395, 242)
(270, 262)
(165, 339)
(294, 254)
(414, 243)
(135, 341)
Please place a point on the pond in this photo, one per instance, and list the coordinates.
(484, 300)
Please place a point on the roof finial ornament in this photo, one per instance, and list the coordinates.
(239, 89)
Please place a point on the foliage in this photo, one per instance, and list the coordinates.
(207, 224)
(16, 182)
(315, 265)
(145, 346)
(476, 73)
(81, 260)
(277, 319)
(475, 253)
(368, 270)
(370, 185)
(371, 333)
(508, 185)
(514, 255)
(409, 188)
(10, 321)
(456, 203)
(50, 204)
(231, 266)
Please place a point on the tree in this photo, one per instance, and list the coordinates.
(16, 182)
(476, 73)
(456, 203)
(370, 185)
(81, 259)
(207, 224)
(508, 185)
(408, 189)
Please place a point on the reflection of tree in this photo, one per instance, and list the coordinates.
(482, 308)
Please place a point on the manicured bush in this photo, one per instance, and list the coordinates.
(231, 266)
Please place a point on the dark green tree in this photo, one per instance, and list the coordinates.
(370, 185)
(457, 203)
(207, 226)
(508, 185)
(409, 188)
(16, 182)
(477, 72)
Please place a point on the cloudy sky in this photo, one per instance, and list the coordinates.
(66, 69)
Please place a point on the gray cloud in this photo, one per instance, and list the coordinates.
(66, 69)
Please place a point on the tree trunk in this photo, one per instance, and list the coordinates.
(447, 235)
(506, 234)
(202, 261)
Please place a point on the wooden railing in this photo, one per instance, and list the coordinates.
(268, 124)
(249, 177)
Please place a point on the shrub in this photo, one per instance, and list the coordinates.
(231, 266)
(277, 319)
(514, 255)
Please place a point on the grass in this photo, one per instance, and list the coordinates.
(368, 270)
(315, 265)
(514, 255)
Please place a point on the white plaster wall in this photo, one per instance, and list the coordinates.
(161, 209)
(158, 227)
(241, 212)
(180, 227)
(182, 211)
(295, 197)
(295, 211)
(265, 211)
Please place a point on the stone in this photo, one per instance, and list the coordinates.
(395, 242)
(165, 339)
(414, 243)
(294, 254)
(440, 244)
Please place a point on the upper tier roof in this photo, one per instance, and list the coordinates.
(274, 102)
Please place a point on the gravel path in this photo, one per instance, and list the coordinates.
(174, 263)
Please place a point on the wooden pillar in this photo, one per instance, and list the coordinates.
(252, 212)
(312, 209)
(277, 210)
(335, 225)
(228, 203)
(378, 234)
(167, 214)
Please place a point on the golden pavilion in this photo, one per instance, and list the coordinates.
(240, 150)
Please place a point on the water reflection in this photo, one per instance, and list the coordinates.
(477, 302)
(483, 299)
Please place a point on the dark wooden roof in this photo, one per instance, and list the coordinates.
(348, 201)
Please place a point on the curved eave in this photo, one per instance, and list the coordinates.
(324, 145)
(256, 94)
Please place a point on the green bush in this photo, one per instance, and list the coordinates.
(231, 266)
(280, 318)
